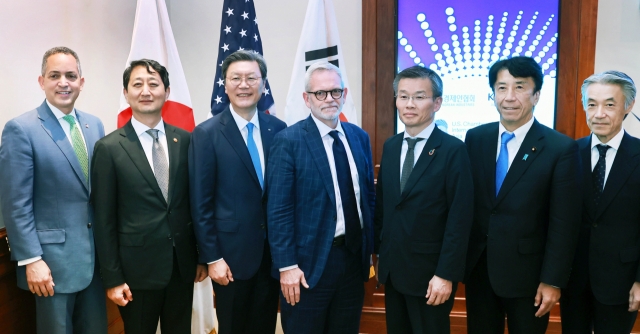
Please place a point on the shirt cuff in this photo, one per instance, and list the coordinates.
(218, 260)
(289, 268)
(29, 261)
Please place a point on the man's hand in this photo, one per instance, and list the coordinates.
(201, 273)
(121, 294)
(220, 272)
(290, 285)
(546, 297)
(439, 291)
(634, 297)
(39, 278)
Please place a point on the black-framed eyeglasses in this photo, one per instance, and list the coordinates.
(321, 95)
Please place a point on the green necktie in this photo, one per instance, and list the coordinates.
(78, 146)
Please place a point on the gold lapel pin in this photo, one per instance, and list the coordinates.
(175, 140)
(433, 150)
(533, 149)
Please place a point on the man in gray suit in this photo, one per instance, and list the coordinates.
(44, 199)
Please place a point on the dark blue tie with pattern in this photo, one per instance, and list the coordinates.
(598, 173)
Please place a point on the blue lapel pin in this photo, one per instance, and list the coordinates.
(432, 151)
(525, 157)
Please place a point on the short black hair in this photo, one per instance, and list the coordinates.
(245, 55)
(56, 50)
(419, 72)
(149, 65)
(518, 67)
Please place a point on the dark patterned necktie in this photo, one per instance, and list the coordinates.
(353, 232)
(598, 173)
(409, 160)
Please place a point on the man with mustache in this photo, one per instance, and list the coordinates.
(320, 211)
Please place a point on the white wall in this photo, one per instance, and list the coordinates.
(100, 32)
(618, 46)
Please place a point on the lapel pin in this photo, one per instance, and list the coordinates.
(269, 129)
(86, 126)
(433, 150)
(175, 140)
(533, 149)
(525, 157)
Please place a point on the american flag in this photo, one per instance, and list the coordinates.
(238, 31)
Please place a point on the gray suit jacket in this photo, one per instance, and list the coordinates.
(44, 196)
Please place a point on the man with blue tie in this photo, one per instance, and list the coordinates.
(227, 160)
(527, 208)
(603, 293)
(44, 194)
(320, 211)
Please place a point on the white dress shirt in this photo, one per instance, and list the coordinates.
(257, 138)
(327, 141)
(514, 144)
(614, 144)
(417, 150)
(147, 141)
(66, 127)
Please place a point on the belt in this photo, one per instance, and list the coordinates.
(338, 241)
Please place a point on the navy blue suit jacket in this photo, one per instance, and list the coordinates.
(301, 209)
(227, 202)
(608, 255)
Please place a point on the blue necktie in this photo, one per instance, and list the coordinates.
(598, 173)
(253, 151)
(353, 232)
(502, 165)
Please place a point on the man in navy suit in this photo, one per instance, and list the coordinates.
(424, 210)
(320, 211)
(603, 293)
(227, 160)
(44, 194)
(527, 208)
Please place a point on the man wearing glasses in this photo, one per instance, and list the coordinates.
(320, 212)
(424, 210)
(227, 160)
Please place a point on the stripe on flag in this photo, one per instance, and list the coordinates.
(319, 41)
(153, 39)
(238, 31)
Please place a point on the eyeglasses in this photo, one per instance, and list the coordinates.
(415, 98)
(237, 80)
(321, 95)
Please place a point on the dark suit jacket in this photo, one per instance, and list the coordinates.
(609, 248)
(530, 229)
(301, 210)
(227, 202)
(135, 227)
(424, 230)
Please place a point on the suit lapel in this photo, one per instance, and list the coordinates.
(356, 151)
(131, 144)
(490, 144)
(231, 132)
(173, 146)
(319, 156)
(266, 134)
(52, 126)
(393, 166)
(624, 164)
(530, 149)
(584, 145)
(429, 153)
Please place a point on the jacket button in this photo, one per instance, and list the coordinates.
(594, 225)
(169, 236)
(89, 225)
(262, 226)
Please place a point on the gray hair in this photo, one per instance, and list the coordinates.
(611, 78)
(56, 50)
(245, 55)
(321, 66)
(419, 72)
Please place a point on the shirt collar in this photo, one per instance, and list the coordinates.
(59, 114)
(325, 129)
(426, 133)
(520, 132)
(241, 122)
(613, 143)
(142, 128)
